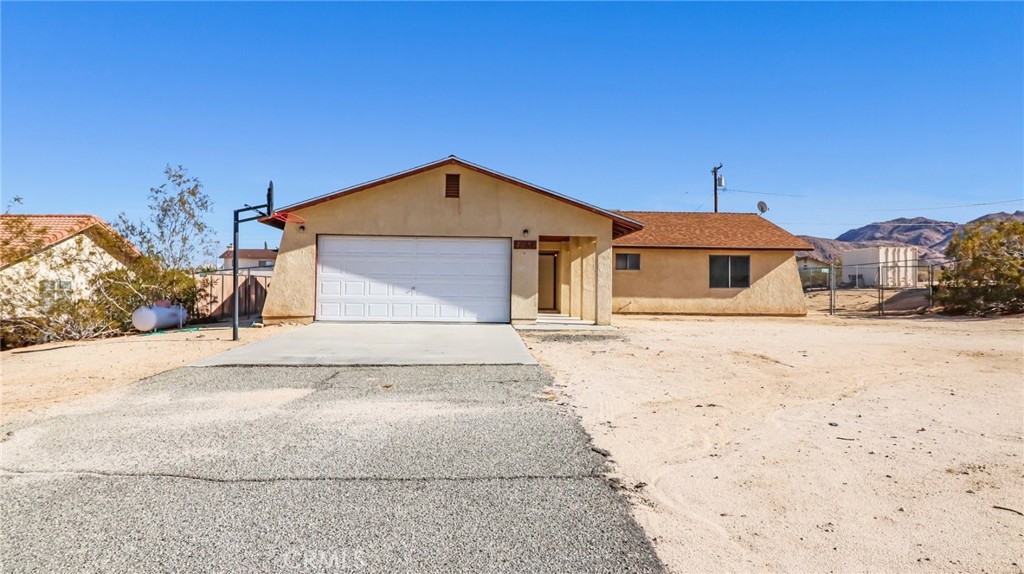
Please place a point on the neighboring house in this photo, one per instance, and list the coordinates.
(249, 258)
(808, 263)
(894, 267)
(814, 272)
(41, 254)
(707, 263)
(451, 241)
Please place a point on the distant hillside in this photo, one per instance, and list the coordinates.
(832, 249)
(999, 216)
(929, 236)
(919, 231)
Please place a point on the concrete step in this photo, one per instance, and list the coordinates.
(562, 320)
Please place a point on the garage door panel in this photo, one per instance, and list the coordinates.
(330, 266)
(439, 289)
(482, 312)
(330, 287)
(449, 311)
(399, 290)
(413, 279)
(470, 289)
(378, 288)
(355, 288)
(330, 309)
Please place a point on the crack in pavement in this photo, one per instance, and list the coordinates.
(421, 479)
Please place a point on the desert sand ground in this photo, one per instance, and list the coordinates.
(816, 444)
(34, 379)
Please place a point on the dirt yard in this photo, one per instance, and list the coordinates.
(817, 444)
(34, 379)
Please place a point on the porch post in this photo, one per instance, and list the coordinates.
(588, 304)
(604, 280)
(575, 277)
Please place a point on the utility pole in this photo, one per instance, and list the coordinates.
(714, 173)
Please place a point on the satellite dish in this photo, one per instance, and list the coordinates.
(762, 206)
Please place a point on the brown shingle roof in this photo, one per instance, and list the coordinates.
(252, 254)
(34, 232)
(708, 231)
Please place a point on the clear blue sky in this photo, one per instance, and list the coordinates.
(865, 111)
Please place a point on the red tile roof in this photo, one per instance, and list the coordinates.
(708, 231)
(37, 232)
(251, 254)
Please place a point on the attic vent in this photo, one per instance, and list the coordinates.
(451, 185)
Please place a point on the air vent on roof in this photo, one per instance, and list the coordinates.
(451, 185)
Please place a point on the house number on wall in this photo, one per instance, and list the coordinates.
(525, 244)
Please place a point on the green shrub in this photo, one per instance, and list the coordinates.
(987, 275)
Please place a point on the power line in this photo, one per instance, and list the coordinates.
(950, 206)
(933, 208)
(731, 190)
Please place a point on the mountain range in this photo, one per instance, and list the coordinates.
(931, 237)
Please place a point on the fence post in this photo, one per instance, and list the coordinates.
(931, 285)
(881, 290)
(831, 288)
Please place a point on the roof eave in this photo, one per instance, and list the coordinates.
(733, 247)
(621, 225)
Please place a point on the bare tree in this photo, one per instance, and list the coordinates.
(175, 234)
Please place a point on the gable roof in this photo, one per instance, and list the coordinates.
(708, 231)
(251, 254)
(36, 232)
(621, 224)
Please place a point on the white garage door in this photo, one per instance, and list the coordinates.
(413, 279)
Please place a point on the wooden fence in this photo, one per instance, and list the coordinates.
(252, 293)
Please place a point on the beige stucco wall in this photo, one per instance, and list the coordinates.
(416, 206)
(677, 281)
(76, 259)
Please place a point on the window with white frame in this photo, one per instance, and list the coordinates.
(51, 289)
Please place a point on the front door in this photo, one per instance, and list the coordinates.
(547, 282)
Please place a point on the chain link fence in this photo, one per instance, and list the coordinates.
(898, 289)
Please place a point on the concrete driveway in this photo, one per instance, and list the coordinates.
(338, 344)
(315, 469)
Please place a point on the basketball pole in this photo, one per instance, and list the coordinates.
(265, 210)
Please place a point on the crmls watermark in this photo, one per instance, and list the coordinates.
(324, 560)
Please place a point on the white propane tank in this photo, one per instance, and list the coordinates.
(152, 317)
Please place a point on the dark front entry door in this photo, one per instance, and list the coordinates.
(547, 282)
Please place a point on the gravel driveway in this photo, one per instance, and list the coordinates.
(315, 469)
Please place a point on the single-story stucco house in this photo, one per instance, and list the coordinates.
(45, 254)
(452, 241)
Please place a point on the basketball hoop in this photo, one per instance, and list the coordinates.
(287, 217)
